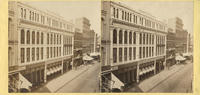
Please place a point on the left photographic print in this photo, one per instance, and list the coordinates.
(53, 46)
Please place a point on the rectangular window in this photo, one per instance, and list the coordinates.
(42, 37)
(125, 37)
(54, 54)
(147, 52)
(125, 54)
(134, 53)
(143, 38)
(120, 54)
(28, 54)
(47, 52)
(33, 37)
(143, 52)
(28, 37)
(114, 12)
(114, 55)
(22, 55)
(33, 54)
(22, 36)
(152, 51)
(147, 39)
(30, 16)
(54, 38)
(37, 53)
(51, 52)
(42, 53)
(38, 37)
(140, 38)
(122, 15)
(117, 13)
(130, 53)
(24, 13)
(130, 37)
(51, 38)
(47, 38)
(152, 39)
(140, 52)
(114, 36)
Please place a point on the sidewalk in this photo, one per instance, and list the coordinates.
(148, 84)
(59, 82)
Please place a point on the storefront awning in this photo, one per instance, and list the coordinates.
(87, 58)
(24, 83)
(116, 83)
(94, 54)
(179, 58)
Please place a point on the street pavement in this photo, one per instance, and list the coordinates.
(83, 79)
(87, 82)
(176, 79)
(180, 82)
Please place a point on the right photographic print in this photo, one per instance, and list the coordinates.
(147, 46)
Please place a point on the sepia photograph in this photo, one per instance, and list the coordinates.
(147, 46)
(54, 47)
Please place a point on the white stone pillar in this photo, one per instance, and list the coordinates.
(45, 72)
(138, 72)
(111, 46)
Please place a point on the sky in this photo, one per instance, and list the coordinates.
(166, 9)
(92, 10)
(71, 10)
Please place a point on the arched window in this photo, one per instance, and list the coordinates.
(114, 36)
(22, 36)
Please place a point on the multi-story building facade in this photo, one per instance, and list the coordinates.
(171, 48)
(40, 45)
(133, 44)
(181, 35)
(87, 34)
